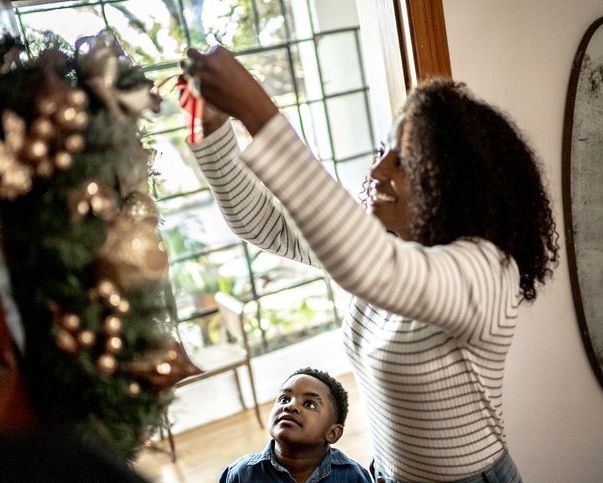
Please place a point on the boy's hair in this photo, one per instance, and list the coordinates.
(338, 394)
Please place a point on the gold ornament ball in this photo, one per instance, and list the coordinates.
(86, 338)
(47, 106)
(80, 120)
(164, 368)
(140, 207)
(134, 389)
(83, 207)
(77, 98)
(106, 364)
(71, 322)
(124, 306)
(106, 288)
(66, 342)
(113, 325)
(42, 127)
(65, 115)
(104, 201)
(63, 160)
(74, 143)
(114, 300)
(134, 254)
(36, 149)
(114, 344)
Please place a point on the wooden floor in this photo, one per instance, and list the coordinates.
(203, 453)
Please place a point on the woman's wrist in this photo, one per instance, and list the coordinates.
(213, 124)
(256, 120)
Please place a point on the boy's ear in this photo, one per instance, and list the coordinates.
(334, 433)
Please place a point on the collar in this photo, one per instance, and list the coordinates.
(333, 457)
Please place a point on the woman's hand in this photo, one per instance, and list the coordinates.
(228, 86)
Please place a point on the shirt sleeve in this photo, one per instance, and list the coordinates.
(250, 210)
(464, 288)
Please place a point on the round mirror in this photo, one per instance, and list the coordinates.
(583, 190)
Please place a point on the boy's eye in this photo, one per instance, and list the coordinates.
(311, 404)
(283, 399)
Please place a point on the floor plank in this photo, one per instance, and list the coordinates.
(202, 453)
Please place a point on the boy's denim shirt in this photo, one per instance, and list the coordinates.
(263, 468)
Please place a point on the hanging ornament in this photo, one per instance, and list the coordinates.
(133, 254)
(113, 325)
(16, 177)
(133, 389)
(86, 338)
(106, 364)
(140, 207)
(96, 197)
(71, 322)
(164, 368)
(66, 342)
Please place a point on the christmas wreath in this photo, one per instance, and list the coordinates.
(88, 269)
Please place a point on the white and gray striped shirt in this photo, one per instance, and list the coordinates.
(429, 328)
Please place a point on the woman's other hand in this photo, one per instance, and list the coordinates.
(228, 86)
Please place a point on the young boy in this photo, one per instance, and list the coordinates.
(306, 419)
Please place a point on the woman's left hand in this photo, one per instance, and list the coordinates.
(227, 85)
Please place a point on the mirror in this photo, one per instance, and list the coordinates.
(583, 190)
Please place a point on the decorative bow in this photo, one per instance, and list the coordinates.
(98, 59)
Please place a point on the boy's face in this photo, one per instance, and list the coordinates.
(304, 414)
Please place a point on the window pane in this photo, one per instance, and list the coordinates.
(294, 314)
(306, 71)
(271, 22)
(315, 127)
(150, 31)
(349, 125)
(196, 280)
(298, 19)
(174, 167)
(272, 69)
(228, 22)
(339, 72)
(171, 115)
(69, 24)
(352, 174)
(191, 223)
(333, 14)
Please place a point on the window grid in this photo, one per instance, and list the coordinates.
(297, 105)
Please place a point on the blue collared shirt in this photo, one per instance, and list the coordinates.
(263, 468)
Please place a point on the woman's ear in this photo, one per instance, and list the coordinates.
(335, 432)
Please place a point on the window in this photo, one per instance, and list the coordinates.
(294, 47)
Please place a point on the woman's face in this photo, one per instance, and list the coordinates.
(390, 196)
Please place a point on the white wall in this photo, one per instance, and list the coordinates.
(518, 54)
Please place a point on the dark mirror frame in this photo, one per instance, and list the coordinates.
(567, 196)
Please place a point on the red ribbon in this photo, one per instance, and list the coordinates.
(190, 103)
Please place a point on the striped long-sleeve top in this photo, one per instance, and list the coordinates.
(428, 328)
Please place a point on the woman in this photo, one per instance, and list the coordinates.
(461, 232)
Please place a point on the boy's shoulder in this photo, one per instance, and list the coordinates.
(351, 470)
(247, 466)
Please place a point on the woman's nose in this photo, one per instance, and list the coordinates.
(381, 169)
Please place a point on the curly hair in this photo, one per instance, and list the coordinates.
(473, 175)
(338, 394)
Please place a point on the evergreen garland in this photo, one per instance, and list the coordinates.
(87, 267)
